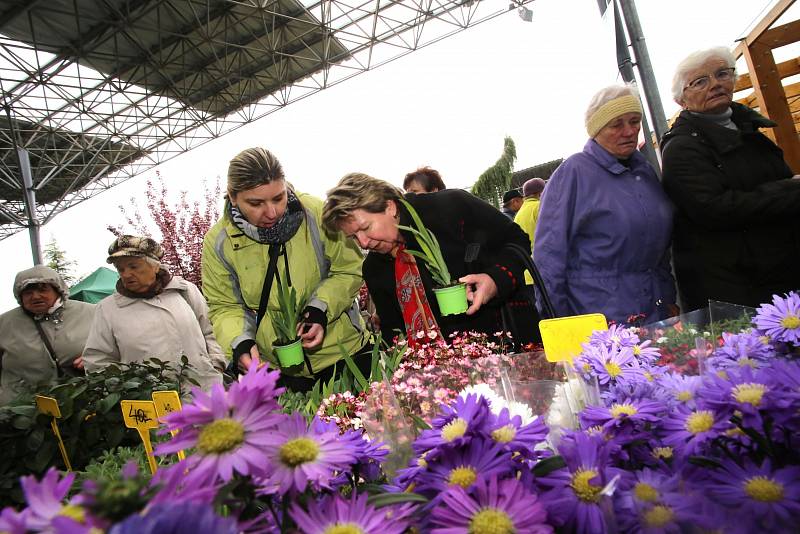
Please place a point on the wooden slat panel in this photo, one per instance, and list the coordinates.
(781, 36)
(785, 69)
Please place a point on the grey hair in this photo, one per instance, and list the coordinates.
(251, 168)
(606, 94)
(356, 191)
(695, 60)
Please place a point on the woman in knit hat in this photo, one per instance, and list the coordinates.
(605, 246)
(152, 314)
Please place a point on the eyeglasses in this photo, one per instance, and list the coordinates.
(722, 75)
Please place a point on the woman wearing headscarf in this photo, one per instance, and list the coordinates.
(605, 245)
(271, 233)
(473, 236)
(44, 337)
(737, 236)
(152, 314)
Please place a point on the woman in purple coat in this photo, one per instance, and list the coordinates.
(602, 242)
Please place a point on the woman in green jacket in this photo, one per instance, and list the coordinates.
(271, 233)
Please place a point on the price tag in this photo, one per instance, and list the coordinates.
(168, 402)
(142, 416)
(562, 337)
(49, 406)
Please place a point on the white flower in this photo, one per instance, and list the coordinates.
(496, 402)
(662, 339)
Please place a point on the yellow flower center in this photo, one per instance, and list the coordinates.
(221, 436)
(700, 421)
(73, 512)
(749, 393)
(763, 489)
(747, 362)
(582, 486)
(684, 396)
(343, 528)
(454, 429)
(645, 492)
(298, 451)
(462, 476)
(764, 340)
(613, 369)
(790, 322)
(723, 374)
(658, 516)
(664, 453)
(618, 410)
(491, 521)
(586, 367)
(637, 350)
(504, 434)
(649, 376)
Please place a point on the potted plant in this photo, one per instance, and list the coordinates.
(451, 295)
(287, 345)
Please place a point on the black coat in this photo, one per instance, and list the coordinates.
(472, 235)
(737, 223)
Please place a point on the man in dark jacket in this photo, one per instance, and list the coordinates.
(737, 224)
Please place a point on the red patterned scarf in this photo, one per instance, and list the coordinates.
(417, 314)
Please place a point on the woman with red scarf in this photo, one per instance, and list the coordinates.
(473, 237)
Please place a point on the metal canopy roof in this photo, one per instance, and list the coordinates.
(97, 91)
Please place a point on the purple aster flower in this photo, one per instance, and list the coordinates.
(298, 454)
(517, 437)
(13, 522)
(745, 345)
(688, 431)
(463, 466)
(632, 415)
(781, 319)
(574, 496)
(742, 390)
(680, 389)
(616, 335)
(653, 502)
(47, 511)
(494, 507)
(227, 430)
(456, 425)
(335, 514)
(614, 365)
(766, 500)
(177, 518)
(369, 454)
(646, 353)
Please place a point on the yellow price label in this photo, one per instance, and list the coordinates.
(562, 337)
(139, 414)
(166, 402)
(48, 406)
(142, 416)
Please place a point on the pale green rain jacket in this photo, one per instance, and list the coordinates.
(234, 268)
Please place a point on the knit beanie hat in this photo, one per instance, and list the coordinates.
(610, 111)
(532, 187)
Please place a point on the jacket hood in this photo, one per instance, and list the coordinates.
(39, 274)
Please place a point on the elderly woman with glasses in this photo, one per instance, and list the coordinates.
(152, 314)
(736, 236)
(603, 240)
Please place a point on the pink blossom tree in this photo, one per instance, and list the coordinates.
(179, 227)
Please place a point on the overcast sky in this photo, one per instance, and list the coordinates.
(448, 106)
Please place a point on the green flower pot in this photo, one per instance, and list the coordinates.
(452, 299)
(289, 355)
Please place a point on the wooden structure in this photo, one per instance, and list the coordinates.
(772, 99)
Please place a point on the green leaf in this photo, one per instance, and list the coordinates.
(28, 411)
(35, 439)
(107, 403)
(548, 465)
(22, 422)
(704, 461)
(388, 499)
(419, 422)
